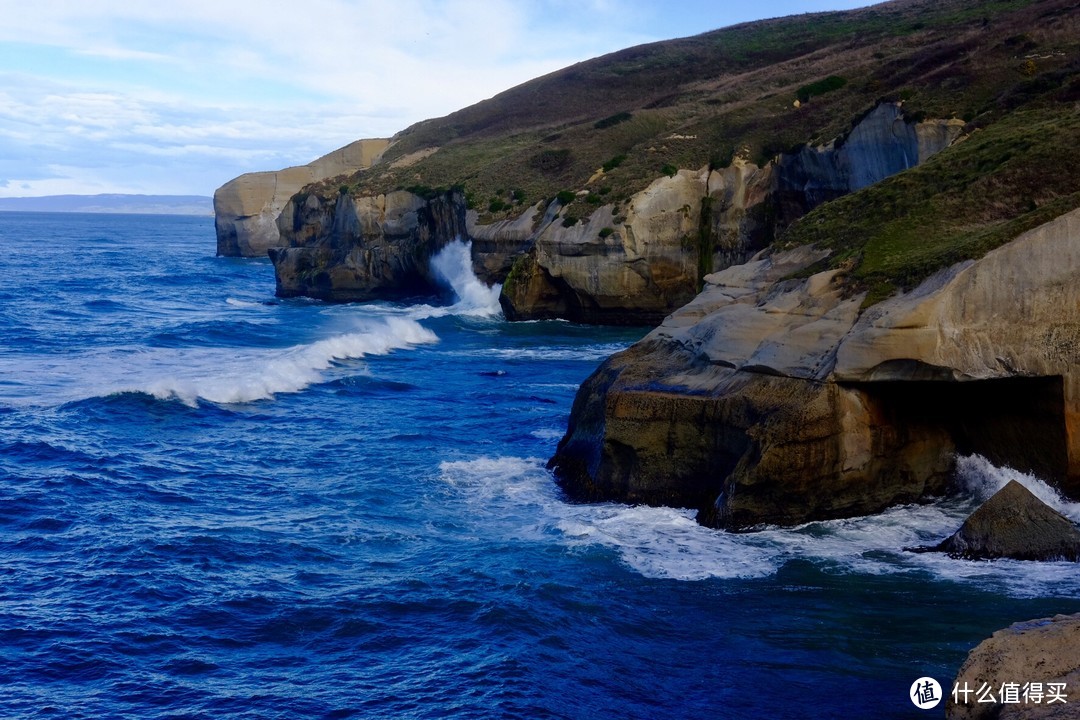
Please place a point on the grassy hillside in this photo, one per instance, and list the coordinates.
(609, 126)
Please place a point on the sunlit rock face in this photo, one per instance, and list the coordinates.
(774, 399)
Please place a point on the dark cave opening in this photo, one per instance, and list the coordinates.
(1016, 422)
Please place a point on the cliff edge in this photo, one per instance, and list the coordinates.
(246, 208)
(774, 398)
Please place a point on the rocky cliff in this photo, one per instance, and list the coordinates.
(631, 263)
(771, 398)
(364, 248)
(635, 265)
(246, 208)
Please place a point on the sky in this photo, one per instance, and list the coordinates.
(125, 96)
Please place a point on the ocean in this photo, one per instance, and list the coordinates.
(216, 504)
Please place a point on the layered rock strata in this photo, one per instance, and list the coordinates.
(632, 263)
(364, 248)
(773, 399)
(656, 249)
(246, 209)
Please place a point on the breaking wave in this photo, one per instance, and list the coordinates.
(221, 379)
(668, 543)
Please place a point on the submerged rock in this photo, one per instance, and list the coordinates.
(1040, 657)
(1015, 524)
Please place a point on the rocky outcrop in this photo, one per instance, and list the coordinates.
(364, 248)
(246, 208)
(772, 399)
(635, 268)
(1014, 524)
(632, 263)
(884, 142)
(637, 264)
(1028, 670)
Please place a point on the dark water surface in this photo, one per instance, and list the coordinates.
(216, 505)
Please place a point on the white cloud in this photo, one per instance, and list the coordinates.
(108, 90)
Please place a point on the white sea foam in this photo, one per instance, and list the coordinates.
(657, 542)
(668, 543)
(981, 479)
(548, 434)
(453, 265)
(582, 352)
(262, 375)
(235, 302)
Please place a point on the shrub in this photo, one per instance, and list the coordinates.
(518, 195)
(550, 161)
(614, 163)
(344, 189)
(820, 87)
(592, 199)
(669, 170)
(565, 197)
(605, 232)
(612, 120)
(497, 205)
(569, 221)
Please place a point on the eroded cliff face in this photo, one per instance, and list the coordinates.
(246, 209)
(637, 267)
(365, 248)
(881, 144)
(770, 399)
(632, 263)
(658, 248)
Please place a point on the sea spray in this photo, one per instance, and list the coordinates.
(453, 266)
(980, 478)
(660, 542)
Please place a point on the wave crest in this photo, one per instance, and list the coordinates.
(242, 380)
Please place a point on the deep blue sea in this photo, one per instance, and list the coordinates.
(214, 504)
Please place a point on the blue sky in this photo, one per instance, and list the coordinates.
(177, 98)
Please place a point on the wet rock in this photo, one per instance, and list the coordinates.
(1015, 524)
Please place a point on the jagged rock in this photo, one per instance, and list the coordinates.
(684, 227)
(364, 248)
(883, 143)
(246, 208)
(650, 260)
(628, 264)
(1014, 524)
(771, 399)
(1036, 653)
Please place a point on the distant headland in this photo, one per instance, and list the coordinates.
(112, 203)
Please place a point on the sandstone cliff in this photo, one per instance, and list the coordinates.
(772, 399)
(653, 254)
(246, 208)
(364, 248)
(632, 263)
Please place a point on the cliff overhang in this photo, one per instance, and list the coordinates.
(771, 399)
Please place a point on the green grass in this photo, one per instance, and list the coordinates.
(1009, 177)
(704, 100)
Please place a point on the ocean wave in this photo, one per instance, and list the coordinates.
(660, 542)
(261, 377)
